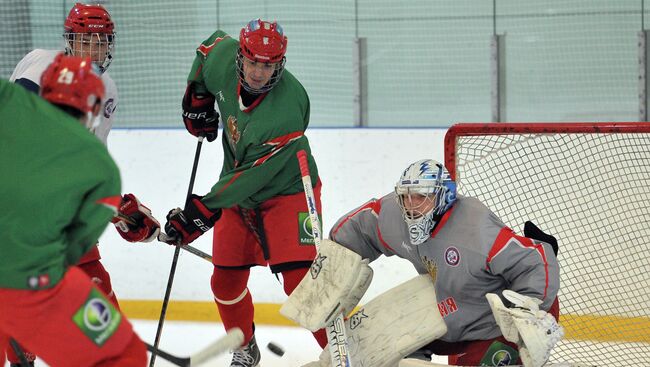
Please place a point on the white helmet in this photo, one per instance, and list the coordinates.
(425, 191)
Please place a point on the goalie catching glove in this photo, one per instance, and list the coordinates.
(535, 331)
(199, 115)
(134, 221)
(184, 226)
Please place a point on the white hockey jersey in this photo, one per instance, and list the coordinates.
(32, 66)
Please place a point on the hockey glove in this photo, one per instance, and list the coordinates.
(199, 115)
(134, 221)
(535, 331)
(184, 226)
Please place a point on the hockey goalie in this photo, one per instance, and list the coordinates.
(485, 296)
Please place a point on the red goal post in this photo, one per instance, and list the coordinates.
(589, 185)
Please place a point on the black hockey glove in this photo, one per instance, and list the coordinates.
(184, 226)
(199, 115)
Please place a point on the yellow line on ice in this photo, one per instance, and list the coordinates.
(579, 327)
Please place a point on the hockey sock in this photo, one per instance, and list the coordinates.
(291, 280)
(233, 299)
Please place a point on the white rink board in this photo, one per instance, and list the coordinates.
(355, 165)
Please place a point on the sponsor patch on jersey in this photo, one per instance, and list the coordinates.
(499, 354)
(109, 107)
(97, 318)
(452, 256)
(305, 232)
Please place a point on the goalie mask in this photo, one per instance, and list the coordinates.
(425, 191)
(262, 42)
(89, 32)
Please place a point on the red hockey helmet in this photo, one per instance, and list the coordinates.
(95, 23)
(73, 81)
(263, 41)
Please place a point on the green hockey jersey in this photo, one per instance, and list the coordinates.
(56, 175)
(260, 141)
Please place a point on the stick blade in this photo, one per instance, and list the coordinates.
(233, 339)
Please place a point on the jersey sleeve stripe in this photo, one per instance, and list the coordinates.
(373, 205)
(506, 237)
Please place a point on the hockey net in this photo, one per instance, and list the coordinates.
(589, 185)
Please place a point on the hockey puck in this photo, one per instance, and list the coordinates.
(275, 349)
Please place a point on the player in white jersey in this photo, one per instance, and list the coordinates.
(90, 32)
(473, 261)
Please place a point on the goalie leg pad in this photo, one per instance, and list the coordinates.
(394, 324)
(337, 280)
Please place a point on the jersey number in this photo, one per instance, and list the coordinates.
(65, 77)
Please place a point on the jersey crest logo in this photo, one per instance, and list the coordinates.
(233, 132)
(452, 256)
(431, 267)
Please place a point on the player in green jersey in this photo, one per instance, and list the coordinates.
(64, 189)
(258, 200)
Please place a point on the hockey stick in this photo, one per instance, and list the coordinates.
(188, 248)
(336, 336)
(231, 340)
(177, 251)
(19, 352)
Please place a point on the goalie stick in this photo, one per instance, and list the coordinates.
(231, 340)
(336, 336)
(188, 248)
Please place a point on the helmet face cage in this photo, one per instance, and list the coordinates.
(425, 191)
(264, 42)
(89, 32)
(97, 46)
(275, 78)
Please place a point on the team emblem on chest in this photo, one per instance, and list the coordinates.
(452, 256)
(431, 267)
(233, 132)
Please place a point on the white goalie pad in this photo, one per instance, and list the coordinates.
(534, 330)
(392, 325)
(337, 280)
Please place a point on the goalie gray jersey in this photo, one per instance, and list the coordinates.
(470, 253)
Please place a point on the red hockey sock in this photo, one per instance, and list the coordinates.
(233, 299)
(291, 280)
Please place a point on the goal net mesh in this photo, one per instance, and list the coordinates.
(589, 186)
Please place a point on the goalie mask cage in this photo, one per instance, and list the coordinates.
(588, 184)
